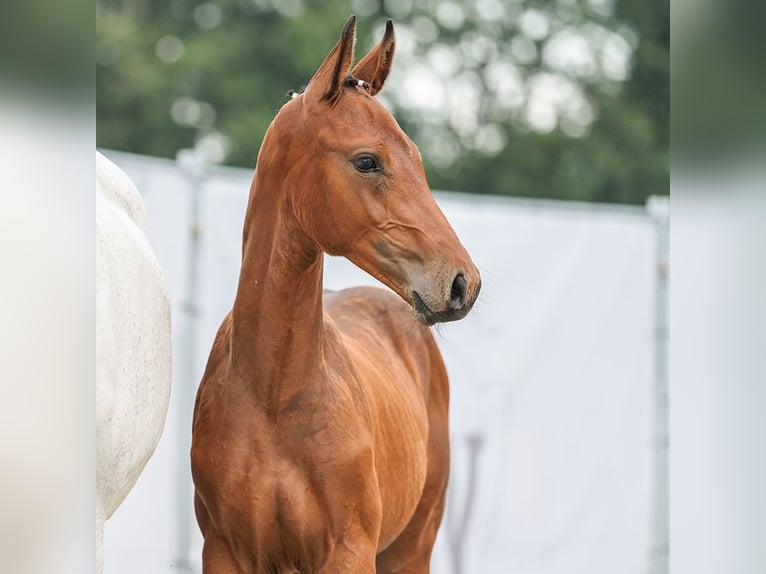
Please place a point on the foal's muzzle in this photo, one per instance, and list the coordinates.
(462, 295)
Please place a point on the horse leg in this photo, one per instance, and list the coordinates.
(410, 553)
(216, 558)
(203, 520)
(348, 557)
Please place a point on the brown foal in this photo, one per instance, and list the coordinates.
(320, 438)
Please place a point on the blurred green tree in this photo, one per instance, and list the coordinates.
(548, 98)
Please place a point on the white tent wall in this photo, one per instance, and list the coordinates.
(552, 381)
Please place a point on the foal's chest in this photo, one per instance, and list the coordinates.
(280, 499)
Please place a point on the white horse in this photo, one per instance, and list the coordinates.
(133, 352)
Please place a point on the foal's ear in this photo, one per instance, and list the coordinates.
(327, 83)
(374, 67)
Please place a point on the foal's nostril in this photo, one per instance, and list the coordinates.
(457, 294)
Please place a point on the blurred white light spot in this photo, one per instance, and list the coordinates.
(170, 49)
(212, 147)
(364, 8)
(553, 99)
(443, 59)
(577, 115)
(426, 30)
(186, 111)
(405, 38)
(489, 10)
(489, 139)
(602, 7)
(289, 8)
(398, 8)
(615, 57)
(464, 96)
(208, 15)
(450, 14)
(423, 92)
(534, 24)
(629, 35)
(571, 128)
(441, 147)
(504, 79)
(477, 49)
(541, 115)
(569, 51)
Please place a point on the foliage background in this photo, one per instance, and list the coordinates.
(539, 98)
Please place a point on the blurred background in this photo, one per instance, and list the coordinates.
(565, 99)
(544, 130)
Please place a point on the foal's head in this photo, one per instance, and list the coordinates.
(356, 184)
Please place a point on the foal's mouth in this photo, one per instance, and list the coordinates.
(423, 313)
(428, 317)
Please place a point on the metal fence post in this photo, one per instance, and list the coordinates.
(658, 208)
(194, 169)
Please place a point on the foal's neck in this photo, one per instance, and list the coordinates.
(276, 330)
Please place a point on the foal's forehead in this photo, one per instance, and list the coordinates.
(366, 117)
(357, 120)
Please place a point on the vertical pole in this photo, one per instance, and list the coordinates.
(659, 210)
(193, 168)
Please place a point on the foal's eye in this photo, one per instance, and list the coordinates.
(366, 163)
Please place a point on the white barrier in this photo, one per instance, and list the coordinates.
(552, 379)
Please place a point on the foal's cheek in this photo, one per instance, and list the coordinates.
(329, 230)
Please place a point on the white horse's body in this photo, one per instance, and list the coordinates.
(133, 351)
